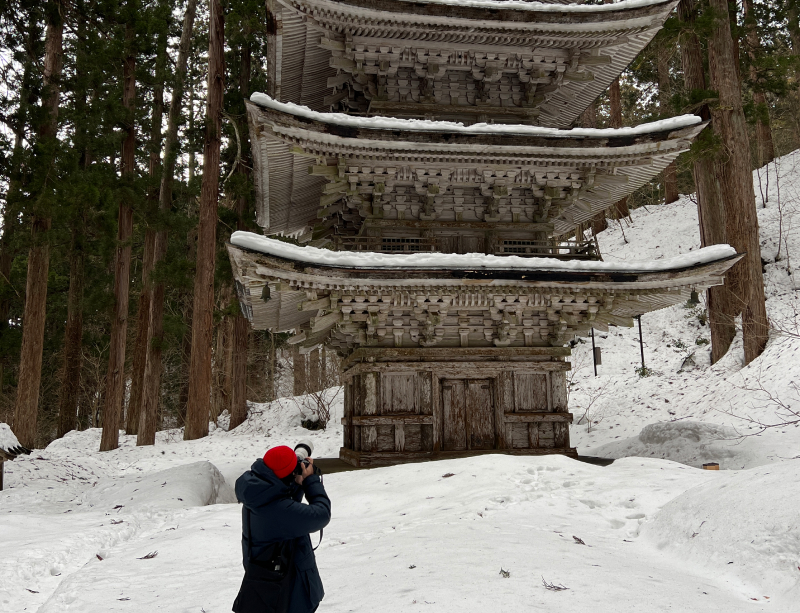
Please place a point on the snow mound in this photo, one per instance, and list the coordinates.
(745, 525)
(190, 485)
(7, 439)
(667, 432)
(689, 442)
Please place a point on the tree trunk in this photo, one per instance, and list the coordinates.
(271, 373)
(151, 379)
(30, 364)
(240, 324)
(765, 151)
(664, 91)
(615, 119)
(710, 206)
(298, 371)
(115, 381)
(203, 317)
(239, 371)
(148, 259)
(736, 181)
(71, 378)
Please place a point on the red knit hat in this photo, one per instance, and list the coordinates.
(282, 460)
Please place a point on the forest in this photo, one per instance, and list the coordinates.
(126, 166)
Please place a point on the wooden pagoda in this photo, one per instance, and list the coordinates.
(414, 155)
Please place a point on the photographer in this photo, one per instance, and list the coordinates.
(281, 573)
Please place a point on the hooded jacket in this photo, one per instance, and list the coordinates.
(276, 513)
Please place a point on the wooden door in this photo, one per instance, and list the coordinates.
(467, 414)
(472, 244)
(454, 415)
(480, 414)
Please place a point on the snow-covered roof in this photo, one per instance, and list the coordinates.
(424, 125)
(469, 261)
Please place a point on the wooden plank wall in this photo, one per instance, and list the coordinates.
(405, 408)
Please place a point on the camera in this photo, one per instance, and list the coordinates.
(303, 451)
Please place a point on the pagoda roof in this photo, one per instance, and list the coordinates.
(357, 299)
(299, 154)
(574, 51)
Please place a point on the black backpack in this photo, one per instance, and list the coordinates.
(268, 580)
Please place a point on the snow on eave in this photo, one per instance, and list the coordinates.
(533, 5)
(468, 261)
(545, 7)
(425, 125)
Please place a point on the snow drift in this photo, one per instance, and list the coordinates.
(745, 525)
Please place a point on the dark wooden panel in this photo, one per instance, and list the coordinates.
(426, 438)
(424, 400)
(453, 415)
(398, 393)
(538, 416)
(413, 437)
(560, 435)
(472, 244)
(385, 438)
(530, 392)
(519, 436)
(559, 388)
(546, 435)
(480, 414)
(533, 435)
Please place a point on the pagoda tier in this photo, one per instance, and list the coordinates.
(511, 61)
(452, 354)
(424, 185)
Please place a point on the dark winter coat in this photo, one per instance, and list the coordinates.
(277, 514)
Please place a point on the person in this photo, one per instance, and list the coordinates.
(272, 492)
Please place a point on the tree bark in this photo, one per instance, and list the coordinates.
(241, 326)
(736, 181)
(148, 258)
(203, 317)
(710, 206)
(615, 120)
(115, 381)
(151, 379)
(664, 91)
(239, 371)
(71, 377)
(30, 365)
(765, 150)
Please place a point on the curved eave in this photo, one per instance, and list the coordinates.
(467, 14)
(286, 145)
(290, 281)
(394, 274)
(301, 68)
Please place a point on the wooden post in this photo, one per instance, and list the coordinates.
(369, 434)
(641, 344)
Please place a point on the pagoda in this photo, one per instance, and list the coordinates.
(416, 168)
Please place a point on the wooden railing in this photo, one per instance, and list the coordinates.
(551, 249)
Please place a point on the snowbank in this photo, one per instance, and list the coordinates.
(744, 525)
(426, 125)
(190, 485)
(468, 261)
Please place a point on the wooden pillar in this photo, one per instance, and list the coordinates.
(369, 434)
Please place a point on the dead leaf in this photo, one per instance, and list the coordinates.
(149, 556)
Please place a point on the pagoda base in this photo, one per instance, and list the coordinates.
(407, 405)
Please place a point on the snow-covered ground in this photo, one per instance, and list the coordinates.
(157, 529)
